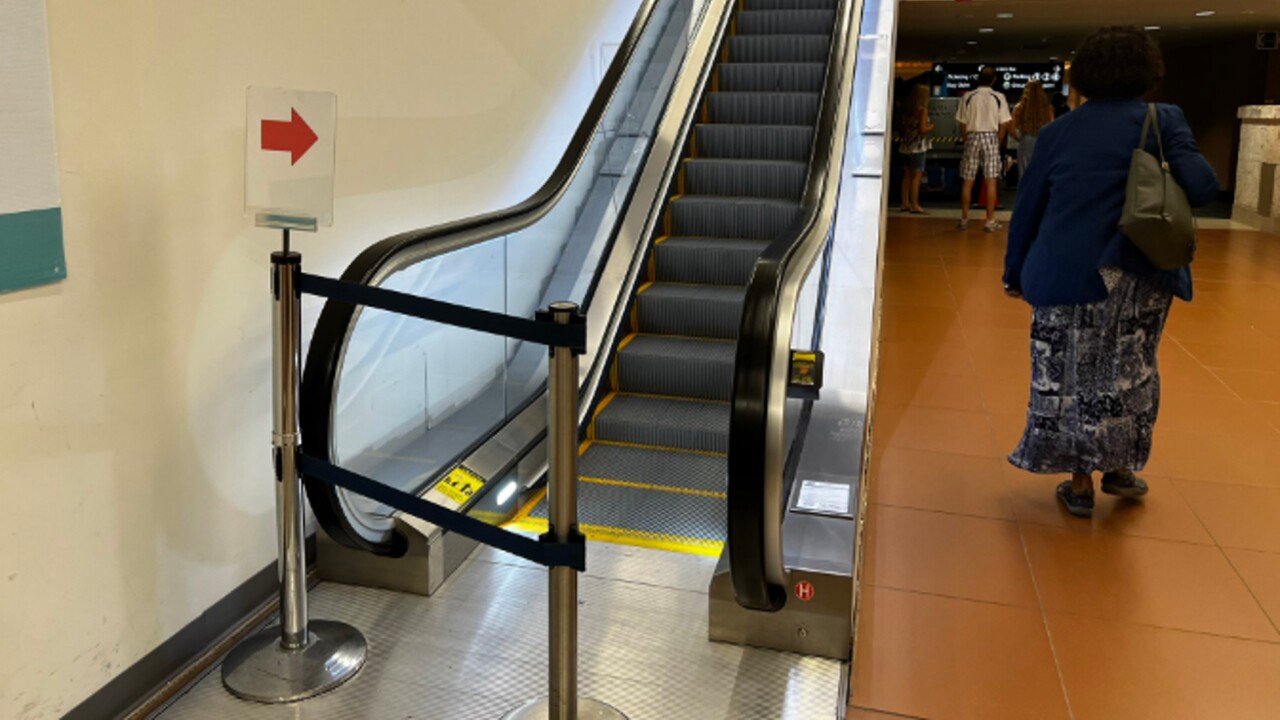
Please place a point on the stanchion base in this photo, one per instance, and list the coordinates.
(262, 670)
(588, 709)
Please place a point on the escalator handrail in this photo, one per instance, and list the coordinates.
(755, 502)
(378, 261)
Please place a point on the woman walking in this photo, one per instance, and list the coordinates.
(1100, 305)
(1032, 113)
(914, 147)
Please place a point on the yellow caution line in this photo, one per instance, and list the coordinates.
(633, 538)
(656, 396)
(613, 368)
(663, 448)
(591, 427)
(660, 488)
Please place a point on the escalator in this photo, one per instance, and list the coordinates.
(653, 464)
(685, 218)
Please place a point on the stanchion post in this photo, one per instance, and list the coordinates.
(562, 702)
(298, 659)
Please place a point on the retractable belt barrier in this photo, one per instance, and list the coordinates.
(542, 331)
(544, 552)
(302, 658)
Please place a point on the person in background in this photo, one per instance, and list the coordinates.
(914, 146)
(1099, 305)
(1030, 116)
(984, 119)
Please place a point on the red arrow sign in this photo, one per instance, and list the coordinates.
(295, 136)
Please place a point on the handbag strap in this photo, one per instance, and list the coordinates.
(1152, 122)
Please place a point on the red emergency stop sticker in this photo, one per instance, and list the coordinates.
(804, 591)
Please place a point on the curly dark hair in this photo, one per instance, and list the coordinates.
(1117, 62)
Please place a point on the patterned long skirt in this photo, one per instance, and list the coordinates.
(1095, 385)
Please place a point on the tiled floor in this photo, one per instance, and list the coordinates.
(981, 598)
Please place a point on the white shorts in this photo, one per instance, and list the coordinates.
(981, 150)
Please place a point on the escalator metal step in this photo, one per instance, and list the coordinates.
(690, 310)
(788, 4)
(786, 22)
(779, 48)
(763, 142)
(683, 367)
(779, 179)
(707, 261)
(773, 108)
(684, 472)
(732, 217)
(771, 77)
(665, 423)
(642, 517)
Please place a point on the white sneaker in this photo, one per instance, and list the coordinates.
(963, 225)
(991, 226)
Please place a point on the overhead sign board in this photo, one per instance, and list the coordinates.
(957, 79)
(288, 157)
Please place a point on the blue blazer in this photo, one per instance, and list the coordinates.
(1066, 222)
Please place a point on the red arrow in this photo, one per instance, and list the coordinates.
(294, 137)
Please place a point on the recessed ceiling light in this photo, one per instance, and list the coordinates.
(971, 42)
(1206, 13)
(1053, 58)
(1004, 16)
(1248, 12)
(1151, 28)
(986, 30)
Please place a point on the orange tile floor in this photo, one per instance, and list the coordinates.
(981, 598)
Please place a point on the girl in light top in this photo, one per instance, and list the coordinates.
(1030, 116)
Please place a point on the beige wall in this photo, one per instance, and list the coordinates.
(134, 396)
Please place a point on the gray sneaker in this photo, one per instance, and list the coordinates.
(1124, 484)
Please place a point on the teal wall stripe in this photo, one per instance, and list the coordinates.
(31, 249)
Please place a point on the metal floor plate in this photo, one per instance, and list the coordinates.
(478, 648)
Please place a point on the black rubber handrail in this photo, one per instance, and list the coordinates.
(749, 485)
(378, 261)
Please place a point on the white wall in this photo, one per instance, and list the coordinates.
(134, 432)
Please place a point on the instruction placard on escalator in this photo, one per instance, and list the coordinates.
(823, 498)
(460, 484)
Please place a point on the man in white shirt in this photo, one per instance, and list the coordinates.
(984, 120)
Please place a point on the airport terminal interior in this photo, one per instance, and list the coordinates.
(648, 359)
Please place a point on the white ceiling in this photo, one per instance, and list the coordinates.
(930, 30)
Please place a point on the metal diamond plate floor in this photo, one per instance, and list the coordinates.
(478, 648)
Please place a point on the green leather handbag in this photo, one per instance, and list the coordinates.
(1157, 216)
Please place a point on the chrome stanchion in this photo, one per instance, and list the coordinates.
(563, 702)
(297, 659)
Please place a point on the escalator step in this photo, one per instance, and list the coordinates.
(707, 261)
(646, 518)
(786, 22)
(779, 179)
(779, 48)
(763, 108)
(664, 422)
(771, 77)
(788, 4)
(731, 217)
(651, 466)
(762, 142)
(691, 310)
(680, 367)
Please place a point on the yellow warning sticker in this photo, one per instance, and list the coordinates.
(460, 484)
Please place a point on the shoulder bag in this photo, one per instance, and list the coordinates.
(1157, 216)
